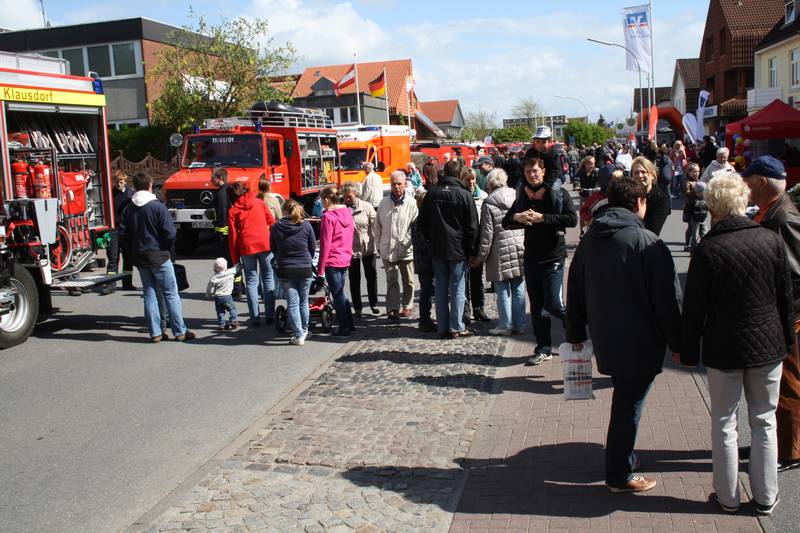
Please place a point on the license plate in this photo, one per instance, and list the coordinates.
(202, 225)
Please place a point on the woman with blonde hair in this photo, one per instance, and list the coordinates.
(738, 307)
(658, 202)
(293, 244)
(679, 161)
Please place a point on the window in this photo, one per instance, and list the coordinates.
(329, 112)
(794, 56)
(273, 152)
(344, 115)
(99, 61)
(709, 46)
(75, 58)
(49, 53)
(772, 68)
(124, 59)
(353, 114)
(789, 11)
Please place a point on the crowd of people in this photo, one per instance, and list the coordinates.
(504, 222)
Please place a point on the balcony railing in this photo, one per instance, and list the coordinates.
(761, 97)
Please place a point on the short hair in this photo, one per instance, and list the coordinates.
(452, 168)
(727, 194)
(239, 189)
(693, 164)
(354, 188)
(331, 194)
(420, 197)
(648, 165)
(467, 172)
(397, 174)
(723, 150)
(411, 164)
(219, 173)
(777, 185)
(496, 179)
(142, 181)
(264, 186)
(625, 192)
(533, 162)
(369, 166)
(120, 175)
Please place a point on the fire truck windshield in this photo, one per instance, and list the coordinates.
(220, 150)
(353, 159)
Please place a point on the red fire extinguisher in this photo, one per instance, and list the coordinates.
(41, 179)
(19, 170)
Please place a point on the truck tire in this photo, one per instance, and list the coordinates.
(16, 326)
(186, 240)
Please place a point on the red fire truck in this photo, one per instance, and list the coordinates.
(293, 148)
(56, 187)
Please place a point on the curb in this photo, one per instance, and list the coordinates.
(237, 443)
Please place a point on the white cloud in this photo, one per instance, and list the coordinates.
(20, 14)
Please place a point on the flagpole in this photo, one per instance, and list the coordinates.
(386, 95)
(652, 57)
(358, 97)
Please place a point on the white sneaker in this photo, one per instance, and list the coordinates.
(307, 335)
(499, 332)
(297, 341)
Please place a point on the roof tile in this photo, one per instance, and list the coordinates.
(690, 72)
(440, 111)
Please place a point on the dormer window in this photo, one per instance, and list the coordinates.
(790, 11)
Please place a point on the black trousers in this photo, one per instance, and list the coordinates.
(474, 297)
(354, 273)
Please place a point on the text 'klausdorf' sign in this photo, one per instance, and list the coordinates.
(50, 96)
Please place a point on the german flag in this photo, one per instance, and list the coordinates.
(377, 87)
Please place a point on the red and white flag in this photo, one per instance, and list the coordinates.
(410, 83)
(348, 79)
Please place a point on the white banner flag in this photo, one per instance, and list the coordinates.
(702, 100)
(636, 24)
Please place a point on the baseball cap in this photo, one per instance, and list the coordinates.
(485, 159)
(766, 166)
(543, 132)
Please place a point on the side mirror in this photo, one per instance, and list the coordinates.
(381, 166)
(288, 148)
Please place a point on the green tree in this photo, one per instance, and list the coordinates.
(586, 133)
(217, 71)
(516, 133)
(479, 124)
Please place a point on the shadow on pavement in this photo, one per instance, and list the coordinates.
(501, 385)
(443, 358)
(553, 480)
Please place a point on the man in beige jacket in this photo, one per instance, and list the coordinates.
(396, 213)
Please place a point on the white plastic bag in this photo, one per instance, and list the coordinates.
(577, 369)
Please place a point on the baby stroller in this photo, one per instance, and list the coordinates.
(320, 307)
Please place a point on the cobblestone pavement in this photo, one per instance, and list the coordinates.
(373, 444)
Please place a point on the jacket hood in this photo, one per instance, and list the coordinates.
(245, 202)
(141, 198)
(502, 198)
(342, 216)
(613, 220)
(288, 228)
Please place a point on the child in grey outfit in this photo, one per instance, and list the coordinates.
(220, 287)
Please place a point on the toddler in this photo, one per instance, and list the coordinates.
(220, 287)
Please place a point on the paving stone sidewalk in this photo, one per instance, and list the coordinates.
(537, 464)
(373, 444)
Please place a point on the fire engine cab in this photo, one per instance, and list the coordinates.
(55, 187)
(386, 147)
(295, 149)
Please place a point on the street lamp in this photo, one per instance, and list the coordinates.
(638, 67)
(576, 100)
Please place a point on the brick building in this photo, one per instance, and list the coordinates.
(733, 29)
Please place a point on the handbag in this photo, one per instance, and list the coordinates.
(180, 277)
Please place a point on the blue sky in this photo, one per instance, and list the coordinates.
(486, 54)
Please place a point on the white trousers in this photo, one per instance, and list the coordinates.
(761, 386)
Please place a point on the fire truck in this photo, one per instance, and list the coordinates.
(55, 187)
(438, 150)
(295, 149)
(387, 147)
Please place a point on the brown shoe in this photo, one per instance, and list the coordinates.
(187, 336)
(638, 483)
(406, 312)
(393, 315)
(159, 338)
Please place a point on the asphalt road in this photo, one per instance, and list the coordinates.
(98, 424)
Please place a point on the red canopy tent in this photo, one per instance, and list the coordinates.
(775, 121)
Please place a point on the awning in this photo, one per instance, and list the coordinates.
(429, 124)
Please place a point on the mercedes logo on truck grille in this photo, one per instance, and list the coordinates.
(206, 197)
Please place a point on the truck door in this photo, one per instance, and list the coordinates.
(277, 166)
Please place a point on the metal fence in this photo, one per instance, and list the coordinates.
(159, 170)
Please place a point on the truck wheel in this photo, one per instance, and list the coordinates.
(186, 241)
(16, 326)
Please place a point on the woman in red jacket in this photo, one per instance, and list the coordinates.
(249, 221)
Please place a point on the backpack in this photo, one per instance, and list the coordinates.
(666, 170)
(700, 210)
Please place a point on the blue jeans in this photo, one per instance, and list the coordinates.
(677, 184)
(344, 315)
(545, 282)
(449, 287)
(296, 292)
(510, 295)
(627, 404)
(252, 265)
(163, 278)
(222, 305)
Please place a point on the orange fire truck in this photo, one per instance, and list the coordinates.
(387, 147)
(56, 187)
(293, 148)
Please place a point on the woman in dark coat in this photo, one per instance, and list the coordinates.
(658, 203)
(738, 305)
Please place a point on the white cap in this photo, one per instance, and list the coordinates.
(543, 132)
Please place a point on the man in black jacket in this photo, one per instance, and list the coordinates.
(545, 251)
(121, 198)
(766, 178)
(622, 285)
(148, 233)
(448, 219)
